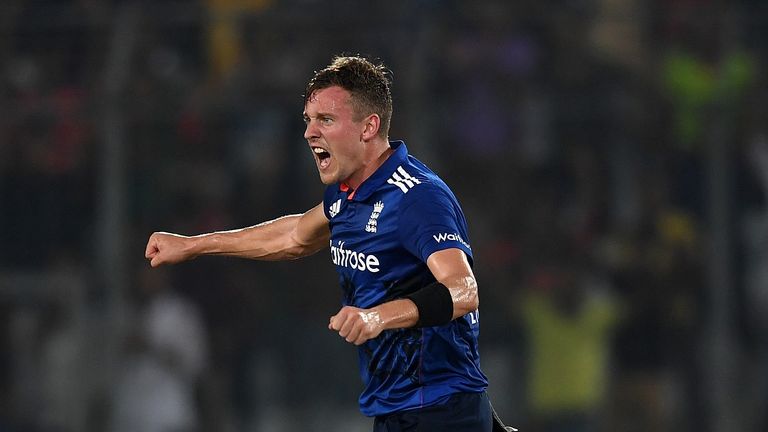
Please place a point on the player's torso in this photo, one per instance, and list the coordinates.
(366, 249)
(379, 246)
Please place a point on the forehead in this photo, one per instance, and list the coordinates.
(331, 100)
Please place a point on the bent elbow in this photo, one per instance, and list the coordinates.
(474, 303)
(468, 302)
(296, 252)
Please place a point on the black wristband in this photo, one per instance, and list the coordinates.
(434, 303)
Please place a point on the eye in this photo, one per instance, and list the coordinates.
(327, 121)
(306, 119)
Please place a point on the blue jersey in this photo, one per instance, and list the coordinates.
(381, 236)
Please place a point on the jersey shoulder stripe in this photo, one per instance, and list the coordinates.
(403, 180)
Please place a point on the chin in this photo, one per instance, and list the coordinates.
(327, 179)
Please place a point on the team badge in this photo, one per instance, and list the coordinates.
(373, 221)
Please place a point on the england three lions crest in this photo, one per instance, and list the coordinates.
(373, 220)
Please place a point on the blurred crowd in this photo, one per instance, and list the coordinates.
(611, 157)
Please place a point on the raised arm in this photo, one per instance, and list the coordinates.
(285, 238)
(452, 296)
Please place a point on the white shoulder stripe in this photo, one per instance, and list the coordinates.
(402, 187)
(407, 176)
(403, 180)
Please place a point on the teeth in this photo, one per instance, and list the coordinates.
(318, 150)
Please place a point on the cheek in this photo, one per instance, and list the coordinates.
(347, 147)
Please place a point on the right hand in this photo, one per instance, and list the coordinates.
(168, 248)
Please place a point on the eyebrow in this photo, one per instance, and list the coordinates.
(319, 115)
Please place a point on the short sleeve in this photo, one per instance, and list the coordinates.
(328, 199)
(431, 220)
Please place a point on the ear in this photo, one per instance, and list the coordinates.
(371, 124)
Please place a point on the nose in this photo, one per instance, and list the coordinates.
(311, 132)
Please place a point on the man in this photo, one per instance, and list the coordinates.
(399, 241)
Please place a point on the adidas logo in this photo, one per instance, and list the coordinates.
(334, 209)
(403, 180)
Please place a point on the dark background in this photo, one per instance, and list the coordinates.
(611, 157)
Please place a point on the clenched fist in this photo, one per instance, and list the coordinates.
(168, 248)
(356, 325)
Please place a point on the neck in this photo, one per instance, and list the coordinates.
(378, 152)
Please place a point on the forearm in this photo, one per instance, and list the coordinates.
(269, 241)
(403, 313)
(284, 238)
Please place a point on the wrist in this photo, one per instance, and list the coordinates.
(372, 318)
(201, 245)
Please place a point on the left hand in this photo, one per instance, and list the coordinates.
(356, 325)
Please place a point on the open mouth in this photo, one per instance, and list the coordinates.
(323, 157)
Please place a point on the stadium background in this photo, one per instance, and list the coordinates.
(611, 157)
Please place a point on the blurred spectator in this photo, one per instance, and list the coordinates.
(661, 276)
(226, 17)
(754, 236)
(63, 364)
(569, 318)
(167, 355)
